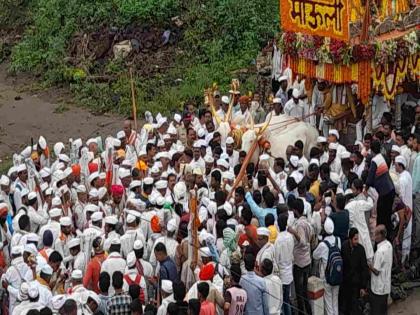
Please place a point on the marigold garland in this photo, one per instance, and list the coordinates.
(361, 73)
(330, 50)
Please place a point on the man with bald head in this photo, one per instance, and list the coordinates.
(130, 134)
(381, 272)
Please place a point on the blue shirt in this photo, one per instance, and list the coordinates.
(255, 288)
(259, 212)
(416, 175)
(168, 270)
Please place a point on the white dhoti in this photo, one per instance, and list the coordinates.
(331, 299)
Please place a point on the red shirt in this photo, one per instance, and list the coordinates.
(91, 278)
(249, 230)
(207, 308)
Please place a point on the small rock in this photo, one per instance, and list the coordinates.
(165, 37)
(135, 44)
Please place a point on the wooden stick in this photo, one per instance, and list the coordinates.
(194, 226)
(244, 167)
(133, 99)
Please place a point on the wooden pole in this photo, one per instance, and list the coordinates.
(244, 167)
(133, 99)
(194, 226)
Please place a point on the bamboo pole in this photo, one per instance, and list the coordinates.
(194, 226)
(133, 99)
(244, 166)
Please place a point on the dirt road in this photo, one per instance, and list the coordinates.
(410, 306)
(25, 114)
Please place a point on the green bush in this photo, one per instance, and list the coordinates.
(217, 38)
(150, 11)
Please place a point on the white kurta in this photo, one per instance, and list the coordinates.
(24, 307)
(162, 310)
(357, 209)
(283, 255)
(128, 239)
(406, 193)
(113, 263)
(45, 294)
(275, 298)
(294, 110)
(17, 273)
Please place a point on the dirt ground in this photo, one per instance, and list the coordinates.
(25, 114)
(410, 306)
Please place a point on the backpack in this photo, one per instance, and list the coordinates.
(135, 281)
(334, 269)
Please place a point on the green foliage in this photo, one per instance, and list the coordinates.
(150, 11)
(55, 21)
(218, 37)
(13, 13)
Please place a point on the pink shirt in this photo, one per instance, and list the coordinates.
(207, 308)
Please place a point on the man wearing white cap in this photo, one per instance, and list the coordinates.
(406, 195)
(394, 152)
(294, 107)
(167, 297)
(6, 193)
(294, 169)
(53, 225)
(334, 137)
(94, 230)
(114, 262)
(168, 240)
(357, 208)
(233, 155)
(266, 248)
(61, 244)
(282, 92)
(43, 284)
(77, 290)
(132, 232)
(132, 276)
(197, 161)
(18, 272)
(322, 253)
(334, 159)
(78, 257)
(277, 108)
(21, 183)
(78, 208)
(35, 213)
(110, 233)
(143, 267)
(25, 304)
(31, 294)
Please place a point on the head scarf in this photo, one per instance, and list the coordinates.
(207, 272)
(76, 169)
(229, 240)
(117, 190)
(155, 224)
(93, 167)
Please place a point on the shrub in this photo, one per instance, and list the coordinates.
(217, 38)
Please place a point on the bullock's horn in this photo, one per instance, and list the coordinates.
(229, 112)
(265, 126)
(209, 99)
(252, 122)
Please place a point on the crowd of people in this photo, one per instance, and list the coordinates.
(159, 221)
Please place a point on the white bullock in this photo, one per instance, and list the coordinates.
(282, 131)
